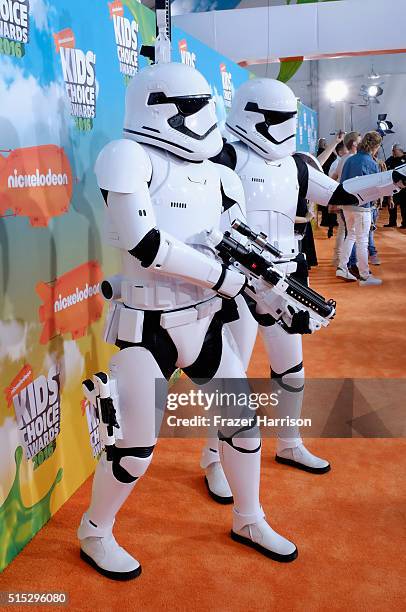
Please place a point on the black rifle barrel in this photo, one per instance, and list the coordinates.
(230, 250)
(259, 239)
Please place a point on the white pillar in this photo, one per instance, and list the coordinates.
(341, 116)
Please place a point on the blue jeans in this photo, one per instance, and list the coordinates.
(372, 250)
(353, 257)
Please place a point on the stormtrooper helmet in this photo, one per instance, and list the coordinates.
(170, 106)
(263, 115)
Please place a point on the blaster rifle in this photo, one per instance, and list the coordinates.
(289, 290)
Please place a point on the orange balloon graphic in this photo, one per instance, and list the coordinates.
(72, 302)
(36, 182)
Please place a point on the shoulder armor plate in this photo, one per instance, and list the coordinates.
(310, 160)
(121, 165)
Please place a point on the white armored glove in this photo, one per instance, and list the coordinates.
(399, 176)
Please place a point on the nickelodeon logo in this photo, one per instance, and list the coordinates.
(36, 182)
(74, 298)
(19, 181)
(22, 380)
(71, 303)
(64, 38)
(116, 9)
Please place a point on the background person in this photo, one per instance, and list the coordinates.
(351, 142)
(397, 158)
(358, 218)
(372, 250)
(340, 150)
(322, 144)
(333, 211)
(327, 154)
(327, 157)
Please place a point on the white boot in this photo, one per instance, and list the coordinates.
(303, 459)
(215, 479)
(100, 550)
(255, 532)
(249, 525)
(217, 484)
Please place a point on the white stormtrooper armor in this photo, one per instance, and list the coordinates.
(275, 181)
(168, 300)
(270, 198)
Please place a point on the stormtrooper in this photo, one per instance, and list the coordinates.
(169, 304)
(277, 184)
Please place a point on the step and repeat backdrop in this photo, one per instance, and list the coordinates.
(64, 68)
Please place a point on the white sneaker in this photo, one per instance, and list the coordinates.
(260, 536)
(371, 281)
(100, 550)
(217, 484)
(301, 458)
(374, 260)
(345, 274)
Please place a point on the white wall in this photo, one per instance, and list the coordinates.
(321, 29)
(355, 71)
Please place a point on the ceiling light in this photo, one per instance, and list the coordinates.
(374, 91)
(337, 91)
(384, 126)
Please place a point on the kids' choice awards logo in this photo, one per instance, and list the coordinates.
(37, 406)
(186, 57)
(14, 27)
(35, 182)
(227, 85)
(79, 74)
(93, 427)
(71, 303)
(126, 36)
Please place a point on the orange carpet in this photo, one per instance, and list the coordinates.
(349, 525)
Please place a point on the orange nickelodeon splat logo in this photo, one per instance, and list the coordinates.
(64, 38)
(36, 182)
(23, 379)
(72, 302)
(182, 45)
(116, 8)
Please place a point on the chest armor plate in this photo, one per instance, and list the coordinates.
(187, 202)
(271, 193)
(186, 196)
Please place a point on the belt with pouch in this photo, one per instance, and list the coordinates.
(127, 324)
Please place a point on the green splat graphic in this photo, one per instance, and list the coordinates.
(175, 376)
(288, 69)
(19, 524)
(145, 18)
